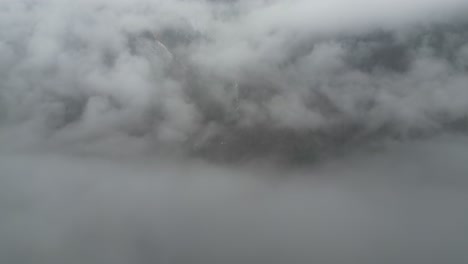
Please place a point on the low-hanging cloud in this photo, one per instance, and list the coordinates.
(408, 205)
(232, 78)
(112, 111)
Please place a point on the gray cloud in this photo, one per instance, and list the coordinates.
(407, 205)
(199, 76)
(337, 127)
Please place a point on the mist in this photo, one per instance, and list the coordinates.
(233, 131)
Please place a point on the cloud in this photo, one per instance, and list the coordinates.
(337, 126)
(172, 71)
(407, 204)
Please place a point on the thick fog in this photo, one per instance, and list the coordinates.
(233, 131)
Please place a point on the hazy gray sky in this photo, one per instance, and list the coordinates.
(113, 111)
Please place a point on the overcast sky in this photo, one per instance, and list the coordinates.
(233, 131)
(183, 73)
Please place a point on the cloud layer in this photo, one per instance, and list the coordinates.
(111, 111)
(408, 205)
(231, 78)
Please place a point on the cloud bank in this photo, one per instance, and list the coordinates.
(231, 79)
(113, 111)
(408, 205)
